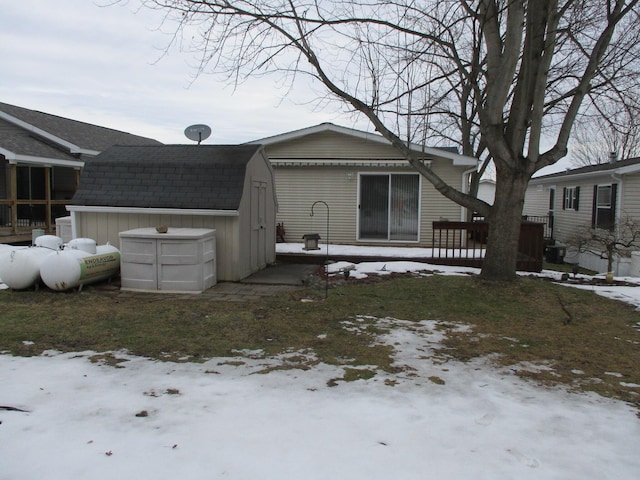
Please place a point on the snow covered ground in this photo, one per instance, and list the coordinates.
(224, 419)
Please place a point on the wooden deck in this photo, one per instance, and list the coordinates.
(19, 238)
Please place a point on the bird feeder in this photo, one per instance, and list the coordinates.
(311, 241)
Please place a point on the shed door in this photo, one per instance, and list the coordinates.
(258, 245)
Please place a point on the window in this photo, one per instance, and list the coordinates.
(604, 206)
(571, 198)
(388, 207)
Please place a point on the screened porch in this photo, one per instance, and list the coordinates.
(33, 196)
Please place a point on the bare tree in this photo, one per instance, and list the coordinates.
(527, 67)
(608, 244)
(612, 131)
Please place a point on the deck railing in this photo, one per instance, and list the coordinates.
(30, 214)
(464, 243)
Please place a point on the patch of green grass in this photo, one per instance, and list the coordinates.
(566, 267)
(577, 335)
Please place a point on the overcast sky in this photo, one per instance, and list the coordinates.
(105, 65)
(109, 66)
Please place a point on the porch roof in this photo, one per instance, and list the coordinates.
(30, 136)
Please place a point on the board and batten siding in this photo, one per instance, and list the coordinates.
(233, 228)
(105, 227)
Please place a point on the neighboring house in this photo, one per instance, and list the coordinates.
(596, 196)
(229, 188)
(41, 157)
(374, 196)
(487, 190)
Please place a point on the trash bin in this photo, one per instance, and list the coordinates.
(556, 253)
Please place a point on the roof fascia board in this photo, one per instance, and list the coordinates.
(155, 211)
(41, 161)
(73, 148)
(457, 159)
(627, 170)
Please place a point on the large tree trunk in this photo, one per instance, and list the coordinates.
(504, 228)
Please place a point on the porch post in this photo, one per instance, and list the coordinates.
(47, 196)
(13, 195)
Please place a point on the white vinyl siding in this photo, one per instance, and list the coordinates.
(331, 145)
(325, 167)
(629, 192)
(299, 187)
(536, 201)
(568, 221)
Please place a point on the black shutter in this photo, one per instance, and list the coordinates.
(595, 206)
(576, 200)
(564, 198)
(614, 198)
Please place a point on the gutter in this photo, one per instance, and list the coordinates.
(153, 211)
(40, 161)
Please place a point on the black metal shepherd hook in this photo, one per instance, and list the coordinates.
(326, 262)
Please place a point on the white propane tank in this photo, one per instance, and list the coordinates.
(3, 248)
(20, 266)
(49, 241)
(72, 267)
(85, 244)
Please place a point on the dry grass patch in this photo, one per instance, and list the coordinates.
(546, 332)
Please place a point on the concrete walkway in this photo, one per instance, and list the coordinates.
(273, 280)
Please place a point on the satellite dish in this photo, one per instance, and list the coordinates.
(197, 133)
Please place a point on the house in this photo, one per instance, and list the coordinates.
(371, 195)
(596, 196)
(229, 188)
(487, 190)
(41, 157)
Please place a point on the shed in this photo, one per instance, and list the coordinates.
(228, 188)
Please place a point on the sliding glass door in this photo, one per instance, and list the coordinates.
(388, 207)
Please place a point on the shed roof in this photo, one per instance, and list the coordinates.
(207, 177)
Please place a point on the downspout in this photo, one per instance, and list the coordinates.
(465, 189)
(618, 180)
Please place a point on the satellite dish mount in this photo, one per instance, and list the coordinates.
(197, 133)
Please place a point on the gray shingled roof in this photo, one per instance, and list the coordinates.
(600, 167)
(167, 176)
(84, 135)
(22, 142)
